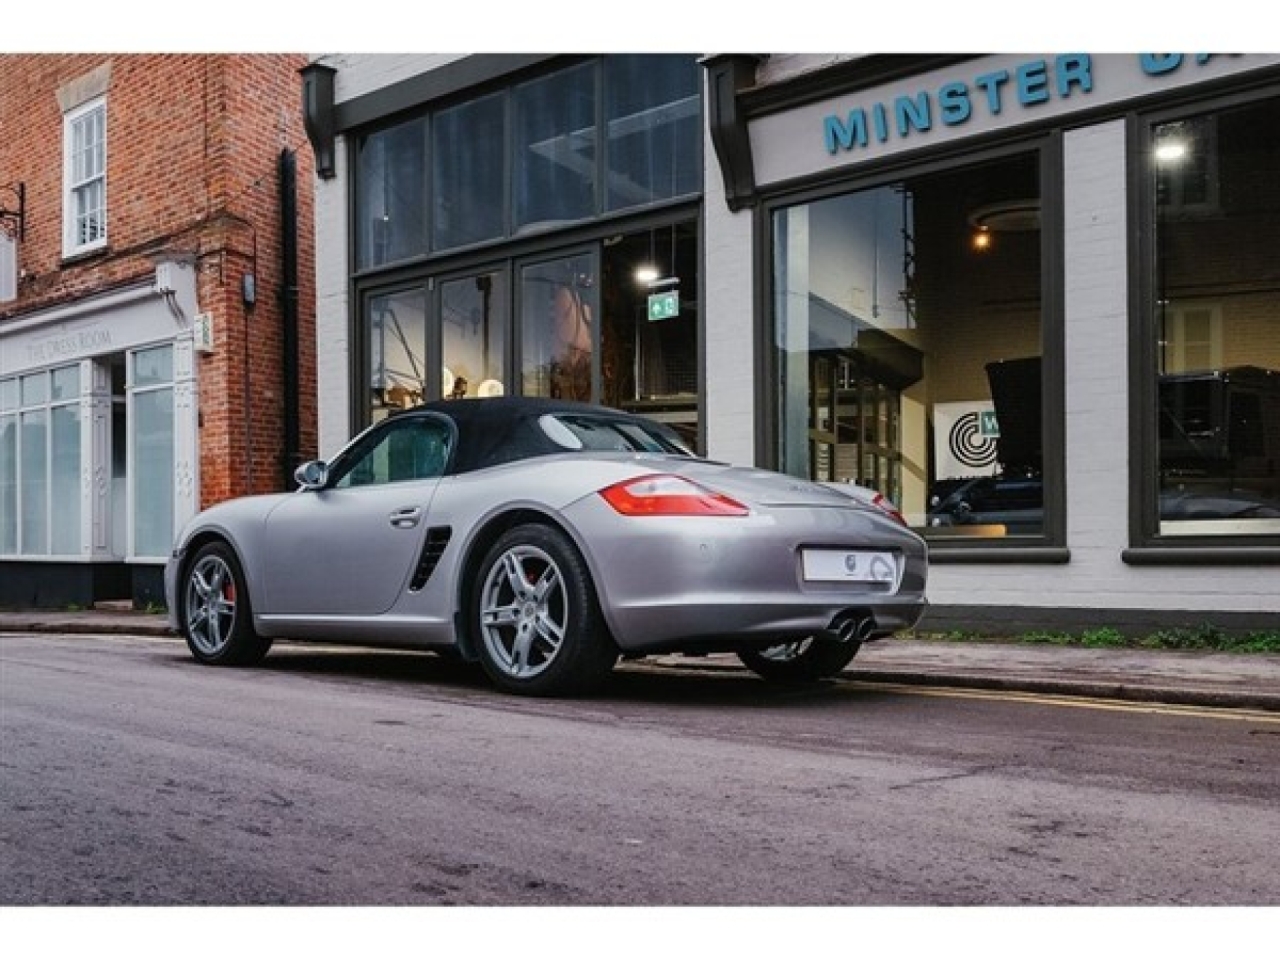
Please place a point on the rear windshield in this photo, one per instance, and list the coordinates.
(581, 432)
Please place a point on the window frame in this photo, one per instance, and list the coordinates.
(1147, 544)
(71, 186)
(134, 390)
(47, 404)
(1049, 546)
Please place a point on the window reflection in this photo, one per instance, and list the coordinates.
(555, 148)
(558, 319)
(397, 351)
(473, 321)
(1217, 313)
(908, 357)
(391, 218)
(468, 173)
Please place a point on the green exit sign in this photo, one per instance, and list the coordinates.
(664, 306)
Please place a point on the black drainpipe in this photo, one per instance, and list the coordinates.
(289, 308)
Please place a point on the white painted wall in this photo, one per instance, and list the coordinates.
(361, 73)
(728, 325)
(333, 349)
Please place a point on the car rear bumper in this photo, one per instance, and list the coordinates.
(671, 583)
(727, 622)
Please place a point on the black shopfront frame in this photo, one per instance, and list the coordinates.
(1148, 546)
(1050, 545)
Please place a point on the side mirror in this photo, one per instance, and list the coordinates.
(312, 475)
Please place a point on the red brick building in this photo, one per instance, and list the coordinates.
(157, 349)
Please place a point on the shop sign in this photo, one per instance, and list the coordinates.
(988, 94)
(67, 346)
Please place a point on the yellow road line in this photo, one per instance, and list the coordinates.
(1080, 703)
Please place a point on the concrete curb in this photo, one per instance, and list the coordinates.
(1108, 686)
(1111, 689)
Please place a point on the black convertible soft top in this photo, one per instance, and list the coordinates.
(505, 429)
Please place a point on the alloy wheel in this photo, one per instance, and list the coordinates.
(210, 604)
(524, 611)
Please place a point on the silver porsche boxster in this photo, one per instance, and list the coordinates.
(545, 539)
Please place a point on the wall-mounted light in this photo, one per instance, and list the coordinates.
(646, 274)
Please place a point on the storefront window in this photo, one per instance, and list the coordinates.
(653, 125)
(555, 148)
(391, 193)
(558, 312)
(397, 349)
(151, 403)
(8, 466)
(473, 331)
(545, 151)
(34, 481)
(908, 345)
(40, 469)
(64, 461)
(469, 173)
(1215, 321)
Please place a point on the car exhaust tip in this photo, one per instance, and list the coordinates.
(852, 627)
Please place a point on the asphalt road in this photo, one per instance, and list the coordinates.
(131, 775)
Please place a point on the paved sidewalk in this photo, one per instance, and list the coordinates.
(1156, 676)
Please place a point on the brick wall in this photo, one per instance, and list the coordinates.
(193, 147)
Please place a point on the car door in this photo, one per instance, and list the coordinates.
(349, 548)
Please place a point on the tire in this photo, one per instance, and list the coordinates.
(215, 613)
(800, 661)
(535, 616)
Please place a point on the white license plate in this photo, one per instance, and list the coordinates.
(850, 566)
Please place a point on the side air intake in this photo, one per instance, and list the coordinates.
(432, 550)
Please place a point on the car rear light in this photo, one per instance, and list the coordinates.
(667, 495)
(879, 500)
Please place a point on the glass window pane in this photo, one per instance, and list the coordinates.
(153, 367)
(153, 466)
(66, 383)
(397, 330)
(391, 194)
(473, 324)
(35, 482)
(653, 146)
(8, 394)
(35, 389)
(469, 172)
(555, 148)
(903, 340)
(409, 449)
(557, 311)
(65, 480)
(8, 484)
(1216, 320)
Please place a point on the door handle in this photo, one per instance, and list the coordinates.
(406, 517)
